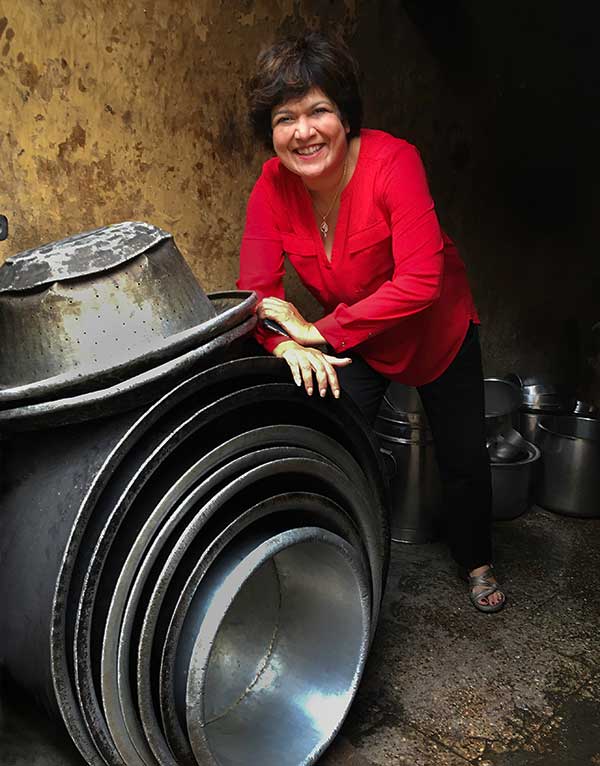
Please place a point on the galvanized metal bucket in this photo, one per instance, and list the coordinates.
(415, 488)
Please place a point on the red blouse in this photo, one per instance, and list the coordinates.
(395, 290)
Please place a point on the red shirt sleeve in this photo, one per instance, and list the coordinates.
(261, 256)
(417, 248)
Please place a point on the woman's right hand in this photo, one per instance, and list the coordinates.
(304, 361)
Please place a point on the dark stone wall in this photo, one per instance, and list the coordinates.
(503, 102)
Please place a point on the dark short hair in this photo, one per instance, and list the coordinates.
(288, 69)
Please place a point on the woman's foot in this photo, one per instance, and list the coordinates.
(484, 591)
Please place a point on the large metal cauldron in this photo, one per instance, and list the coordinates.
(196, 580)
(104, 321)
(92, 307)
(115, 532)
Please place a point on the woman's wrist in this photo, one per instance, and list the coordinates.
(284, 346)
(313, 337)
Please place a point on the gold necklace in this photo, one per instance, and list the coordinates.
(324, 226)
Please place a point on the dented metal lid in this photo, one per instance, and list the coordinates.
(91, 252)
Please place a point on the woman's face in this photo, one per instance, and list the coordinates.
(309, 137)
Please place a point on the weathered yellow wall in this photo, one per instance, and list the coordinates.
(131, 109)
(135, 109)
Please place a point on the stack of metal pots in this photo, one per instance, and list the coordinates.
(567, 431)
(540, 397)
(415, 489)
(192, 551)
(512, 457)
(407, 444)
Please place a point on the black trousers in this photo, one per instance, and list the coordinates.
(454, 406)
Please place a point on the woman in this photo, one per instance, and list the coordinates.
(351, 210)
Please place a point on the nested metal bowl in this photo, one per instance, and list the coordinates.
(268, 681)
(541, 394)
(95, 308)
(512, 484)
(502, 401)
(570, 477)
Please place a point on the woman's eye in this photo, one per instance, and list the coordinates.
(282, 120)
(321, 110)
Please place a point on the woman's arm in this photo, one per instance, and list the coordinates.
(262, 270)
(418, 253)
(261, 257)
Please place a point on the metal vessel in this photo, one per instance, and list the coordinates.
(502, 401)
(92, 309)
(122, 519)
(192, 550)
(415, 488)
(570, 476)
(513, 484)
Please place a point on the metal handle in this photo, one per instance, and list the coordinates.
(271, 324)
(3, 227)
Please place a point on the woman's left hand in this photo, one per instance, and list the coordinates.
(292, 321)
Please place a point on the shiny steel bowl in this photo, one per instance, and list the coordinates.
(547, 396)
(502, 401)
(501, 397)
(570, 481)
(95, 308)
(279, 649)
(508, 446)
(513, 483)
(539, 393)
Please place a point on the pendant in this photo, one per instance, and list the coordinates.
(324, 229)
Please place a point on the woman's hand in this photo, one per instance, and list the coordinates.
(304, 361)
(292, 321)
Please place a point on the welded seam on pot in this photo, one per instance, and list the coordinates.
(267, 659)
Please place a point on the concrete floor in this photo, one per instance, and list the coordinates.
(445, 685)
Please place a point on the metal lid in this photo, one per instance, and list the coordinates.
(82, 254)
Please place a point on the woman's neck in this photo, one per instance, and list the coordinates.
(324, 191)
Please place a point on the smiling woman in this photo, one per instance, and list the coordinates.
(350, 208)
(309, 137)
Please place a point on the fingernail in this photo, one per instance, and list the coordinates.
(298, 382)
(323, 391)
(309, 391)
(336, 393)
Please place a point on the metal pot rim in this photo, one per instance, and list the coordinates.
(68, 383)
(547, 427)
(124, 395)
(533, 453)
(60, 261)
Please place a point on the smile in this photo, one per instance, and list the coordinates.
(309, 150)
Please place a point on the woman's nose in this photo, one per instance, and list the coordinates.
(304, 128)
